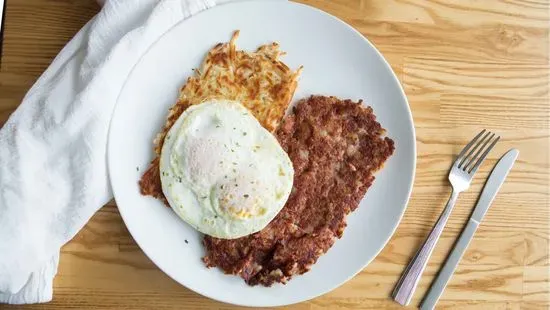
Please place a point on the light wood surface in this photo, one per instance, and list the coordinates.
(465, 65)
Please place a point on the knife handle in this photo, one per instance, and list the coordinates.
(445, 274)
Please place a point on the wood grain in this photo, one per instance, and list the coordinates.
(463, 64)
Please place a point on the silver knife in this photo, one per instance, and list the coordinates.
(490, 190)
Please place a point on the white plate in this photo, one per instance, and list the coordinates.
(337, 61)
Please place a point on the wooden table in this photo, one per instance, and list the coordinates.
(464, 65)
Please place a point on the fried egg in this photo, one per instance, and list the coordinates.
(222, 172)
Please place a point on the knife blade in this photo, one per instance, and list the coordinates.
(493, 184)
(490, 190)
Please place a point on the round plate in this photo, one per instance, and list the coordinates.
(337, 61)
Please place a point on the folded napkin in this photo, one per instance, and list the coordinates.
(53, 172)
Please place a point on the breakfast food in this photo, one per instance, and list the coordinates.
(222, 172)
(259, 80)
(335, 147)
(269, 206)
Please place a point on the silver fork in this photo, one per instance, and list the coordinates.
(462, 172)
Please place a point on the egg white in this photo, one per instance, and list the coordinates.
(222, 172)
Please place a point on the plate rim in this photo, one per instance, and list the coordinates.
(410, 125)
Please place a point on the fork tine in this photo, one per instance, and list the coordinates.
(482, 158)
(475, 157)
(467, 147)
(468, 159)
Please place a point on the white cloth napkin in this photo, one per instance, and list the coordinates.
(53, 173)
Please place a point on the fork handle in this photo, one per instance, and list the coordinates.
(408, 282)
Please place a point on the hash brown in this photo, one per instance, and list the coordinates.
(259, 80)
